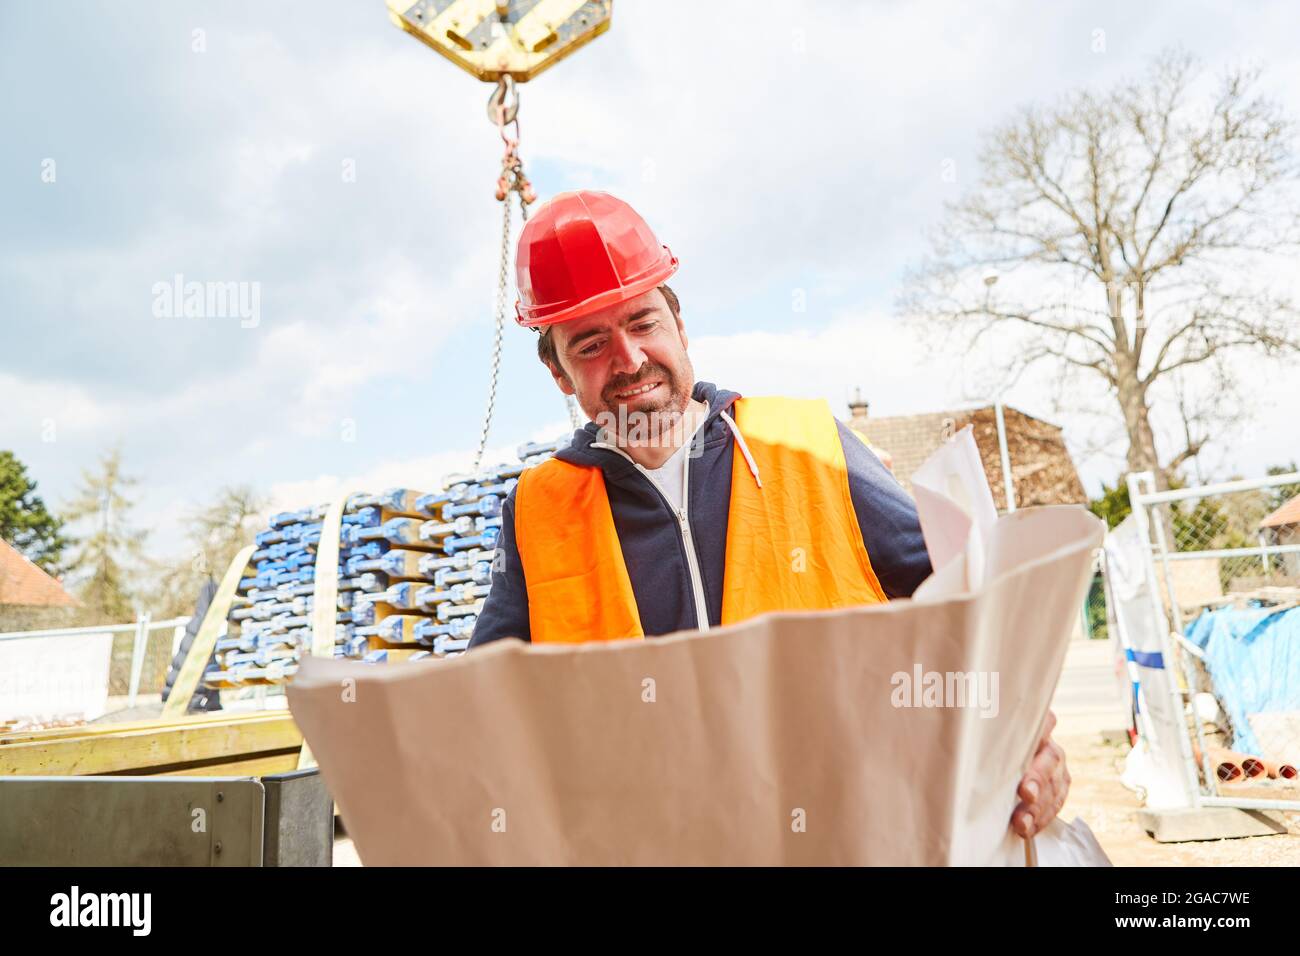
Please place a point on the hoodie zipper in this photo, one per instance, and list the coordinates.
(683, 528)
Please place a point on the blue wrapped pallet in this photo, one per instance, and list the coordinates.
(414, 569)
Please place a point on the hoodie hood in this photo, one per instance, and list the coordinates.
(714, 432)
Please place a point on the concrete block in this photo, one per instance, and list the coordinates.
(1209, 823)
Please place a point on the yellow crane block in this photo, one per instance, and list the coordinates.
(491, 39)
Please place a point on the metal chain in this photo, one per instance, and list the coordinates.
(511, 180)
(495, 374)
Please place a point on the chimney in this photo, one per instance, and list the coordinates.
(858, 409)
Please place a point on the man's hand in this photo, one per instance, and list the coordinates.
(1043, 789)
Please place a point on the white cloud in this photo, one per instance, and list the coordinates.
(424, 473)
(868, 350)
(801, 150)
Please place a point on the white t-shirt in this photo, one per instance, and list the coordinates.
(671, 475)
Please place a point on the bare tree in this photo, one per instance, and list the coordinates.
(1127, 236)
(215, 534)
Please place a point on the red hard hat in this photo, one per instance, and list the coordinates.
(583, 251)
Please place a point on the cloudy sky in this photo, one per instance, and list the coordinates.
(782, 149)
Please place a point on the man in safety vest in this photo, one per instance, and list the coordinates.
(681, 505)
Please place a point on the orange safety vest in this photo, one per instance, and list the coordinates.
(793, 544)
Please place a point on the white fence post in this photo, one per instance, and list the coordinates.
(1176, 699)
(137, 656)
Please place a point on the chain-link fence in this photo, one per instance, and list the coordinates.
(1226, 563)
(1094, 610)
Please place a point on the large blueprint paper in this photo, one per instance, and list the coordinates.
(883, 735)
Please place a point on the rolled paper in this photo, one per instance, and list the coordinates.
(285, 518)
(431, 505)
(488, 506)
(487, 539)
(272, 552)
(395, 629)
(364, 518)
(430, 596)
(427, 630)
(372, 582)
(433, 530)
(400, 595)
(392, 499)
(445, 645)
(433, 563)
(532, 449)
(447, 610)
(479, 573)
(395, 564)
(398, 531)
(460, 593)
(368, 549)
(502, 472)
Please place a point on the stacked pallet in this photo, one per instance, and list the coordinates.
(413, 571)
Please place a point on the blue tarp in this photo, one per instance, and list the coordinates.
(1253, 656)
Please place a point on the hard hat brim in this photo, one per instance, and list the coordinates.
(540, 316)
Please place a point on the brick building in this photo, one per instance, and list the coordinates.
(29, 598)
(1283, 527)
(1042, 471)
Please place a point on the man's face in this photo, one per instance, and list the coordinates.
(628, 358)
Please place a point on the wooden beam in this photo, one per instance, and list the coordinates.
(214, 623)
(100, 729)
(136, 750)
(252, 767)
(325, 594)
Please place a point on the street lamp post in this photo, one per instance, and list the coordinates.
(1008, 486)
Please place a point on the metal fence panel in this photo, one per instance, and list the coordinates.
(1227, 566)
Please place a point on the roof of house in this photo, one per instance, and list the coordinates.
(1042, 470)
(23, 583)
(1289, 513)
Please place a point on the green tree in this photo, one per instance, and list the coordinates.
(24, 521)
(1113, 505)
(102, 504)
(215, 534)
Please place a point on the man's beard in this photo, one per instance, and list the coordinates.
(639, 419)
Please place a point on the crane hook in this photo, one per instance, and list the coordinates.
(499, 112)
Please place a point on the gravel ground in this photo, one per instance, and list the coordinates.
(1111, 811)
(1089, 712)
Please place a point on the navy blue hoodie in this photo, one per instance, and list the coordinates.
(654, 549)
